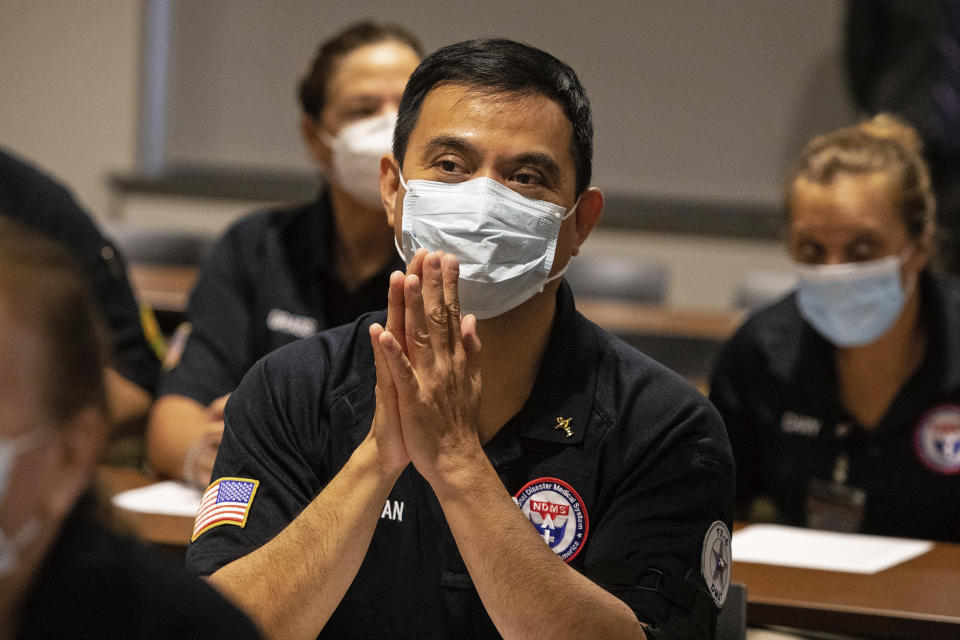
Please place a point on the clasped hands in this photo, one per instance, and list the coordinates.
(428, 372)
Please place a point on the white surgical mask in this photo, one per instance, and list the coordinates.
(10, 545)
(505, 242)
(356, 152)
(852, 304)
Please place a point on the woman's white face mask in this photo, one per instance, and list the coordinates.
(356, 152)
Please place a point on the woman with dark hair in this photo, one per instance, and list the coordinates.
(63, 572)
(282, 275)
(843, 400)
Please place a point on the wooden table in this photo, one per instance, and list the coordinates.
(158, 529)
(630, 318)
(919, 598)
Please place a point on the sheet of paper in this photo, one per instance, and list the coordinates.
(167, 498)
(812, 549)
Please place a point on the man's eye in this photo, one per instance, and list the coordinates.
(526, 178)
(448, 165)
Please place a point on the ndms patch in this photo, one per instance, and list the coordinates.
(936, 439)
(557, 512)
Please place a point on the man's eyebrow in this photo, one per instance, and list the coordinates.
(541, 161)
(449, 143)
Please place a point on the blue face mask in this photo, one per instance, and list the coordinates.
(852, 304)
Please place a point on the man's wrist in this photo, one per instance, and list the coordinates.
(370, 459)
(464, 474)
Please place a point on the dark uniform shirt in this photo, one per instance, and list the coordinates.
(95, 584)
(794, 443)
(640, 485)
(40, 203)
(267, 282)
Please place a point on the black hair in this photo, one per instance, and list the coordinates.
(313, 86)
(498, 65)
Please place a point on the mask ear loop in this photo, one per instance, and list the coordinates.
(909, 287)
(560, 273)
(395, 243)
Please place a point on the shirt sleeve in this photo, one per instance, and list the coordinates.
(663, 544)
(730, 389)
(265, 441)
(218, 351)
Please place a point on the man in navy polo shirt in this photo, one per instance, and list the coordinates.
(394, 477)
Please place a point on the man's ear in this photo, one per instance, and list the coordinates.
(78, 449)
(587, 215)
(389, 186)
(318, 149)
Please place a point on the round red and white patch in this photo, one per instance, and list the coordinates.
(557, 512)
(936, 439)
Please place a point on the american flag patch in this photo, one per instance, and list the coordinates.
(226, 501)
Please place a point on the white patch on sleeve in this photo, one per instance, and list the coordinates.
(715, 561)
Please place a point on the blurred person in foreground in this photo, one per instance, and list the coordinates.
(63, 572)
(389, 478)
(281, 275)
(843, 399)
(38, 201)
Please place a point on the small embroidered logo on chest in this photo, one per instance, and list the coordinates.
(557, 512)
(800, 425)
(563, 424)
(936, 439)
(715, 561)
(282, 321)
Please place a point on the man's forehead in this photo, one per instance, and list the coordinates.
(478, 114)
(493, 99)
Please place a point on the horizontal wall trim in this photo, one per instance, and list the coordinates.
(622, 211)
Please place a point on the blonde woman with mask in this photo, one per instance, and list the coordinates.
(842, 401)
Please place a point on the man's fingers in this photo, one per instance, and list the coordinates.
(401, 371)
(385, 387)
(419, 348)
(395, 307)
(471, 346)
(434, 306)
(450, 269)
(416, 265)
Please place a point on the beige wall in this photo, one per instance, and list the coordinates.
(68, 72)
(70, 90)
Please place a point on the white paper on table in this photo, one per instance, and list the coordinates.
(813, 549)
(166, 498)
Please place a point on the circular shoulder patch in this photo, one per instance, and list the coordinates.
(936, 439)
(557, 512)
(715, 561)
